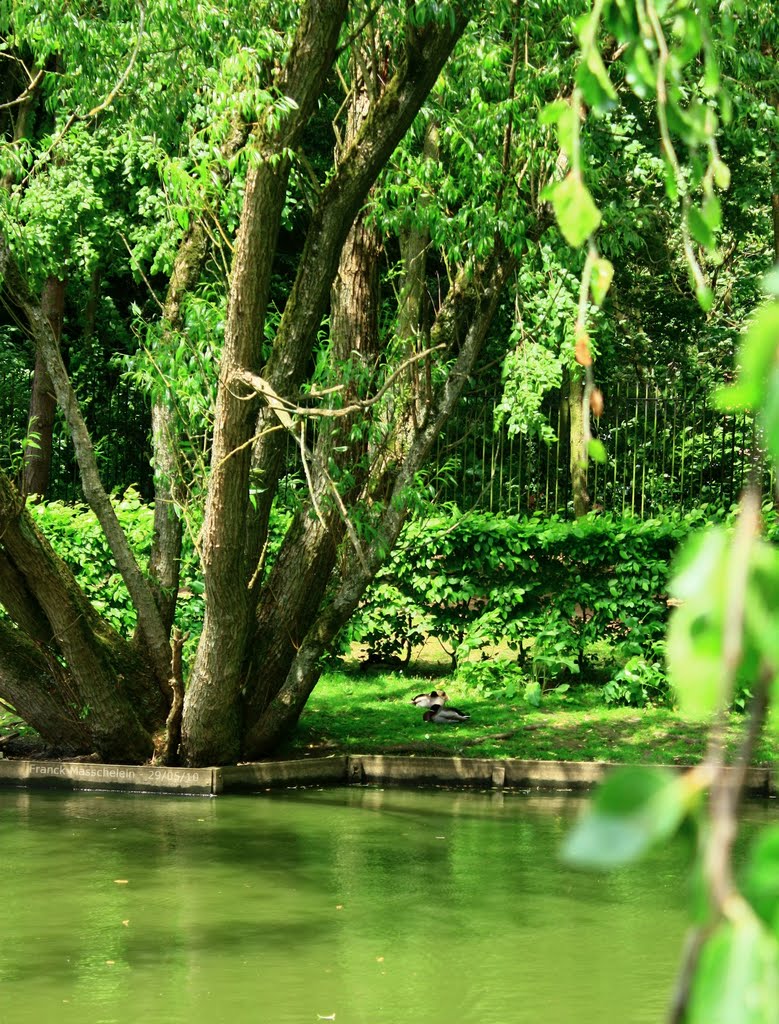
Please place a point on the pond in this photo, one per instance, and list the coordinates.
(376, 906)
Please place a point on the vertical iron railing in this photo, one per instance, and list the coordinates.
(664, 450)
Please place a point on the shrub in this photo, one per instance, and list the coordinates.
(546, 587)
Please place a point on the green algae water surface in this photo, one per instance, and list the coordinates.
(361, 906)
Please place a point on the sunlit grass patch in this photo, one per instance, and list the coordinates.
(371, 712)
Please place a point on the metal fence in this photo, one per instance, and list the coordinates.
(665, 450)
(117, 418)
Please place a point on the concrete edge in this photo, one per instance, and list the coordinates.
(116, 777)
(344, 769)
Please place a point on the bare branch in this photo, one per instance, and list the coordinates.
(285, 409)
(23, 97)
(124, 76)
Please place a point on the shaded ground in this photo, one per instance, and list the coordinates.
(372, 713)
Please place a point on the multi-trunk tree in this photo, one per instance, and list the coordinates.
(363, 424)
(322, 210)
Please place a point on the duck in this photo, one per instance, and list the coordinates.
(427, 700)
(442, 715)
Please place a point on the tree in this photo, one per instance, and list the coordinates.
(323, 217)
(265, 628)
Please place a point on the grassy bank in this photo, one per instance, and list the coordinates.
(370, 712)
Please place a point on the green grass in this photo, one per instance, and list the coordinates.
(370, 712)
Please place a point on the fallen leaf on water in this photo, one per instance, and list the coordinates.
(338, 906)
(379, 959)
(126, 923)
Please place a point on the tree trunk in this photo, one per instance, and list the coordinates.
(29, 685)
(290, 598)
(169, 484)
(461, 327)
(232, 538)
(43, 401)
(104, 679)
(210, 725)
(150, 623)
(424, 54)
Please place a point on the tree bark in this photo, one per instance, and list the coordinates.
(424, 54)
(210, 725)
(149, 621)
(104, 678)
(28, 684)
(461, 327)
(290, 598)
(43, 401)
(169, 485)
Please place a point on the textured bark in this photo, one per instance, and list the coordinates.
(100, 676)
(461, 326)
(149, 621)
(169, 487)
(421, 60)
(210, 728)
(291, 597)
(28, 684)
(170, 484)
(43, 401)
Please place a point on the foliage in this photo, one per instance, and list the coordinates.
(641, 681)
(546, 587)
(722, 637)
(75, 534)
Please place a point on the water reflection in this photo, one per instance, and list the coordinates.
(378, 906)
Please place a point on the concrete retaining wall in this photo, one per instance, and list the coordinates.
(86, 775)
(362, 769)
(251, 778)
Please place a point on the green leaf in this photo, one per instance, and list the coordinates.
(762, 602)
(699, 563)
(737, 980)
(687, 29)
(757, 357)
(602, 274)
(721, 174)
(533, 694)
(596, 450)
(699, 229)
(711, 211)
(695, 656)
(761, 877)
(591, 75)
(705, 297)
(577, 215)
(633, 809)
(769, 415)
(552, 112)
(568, 131)
(640, 73)
(694, 643)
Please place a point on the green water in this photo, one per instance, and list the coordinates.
(381, 907)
